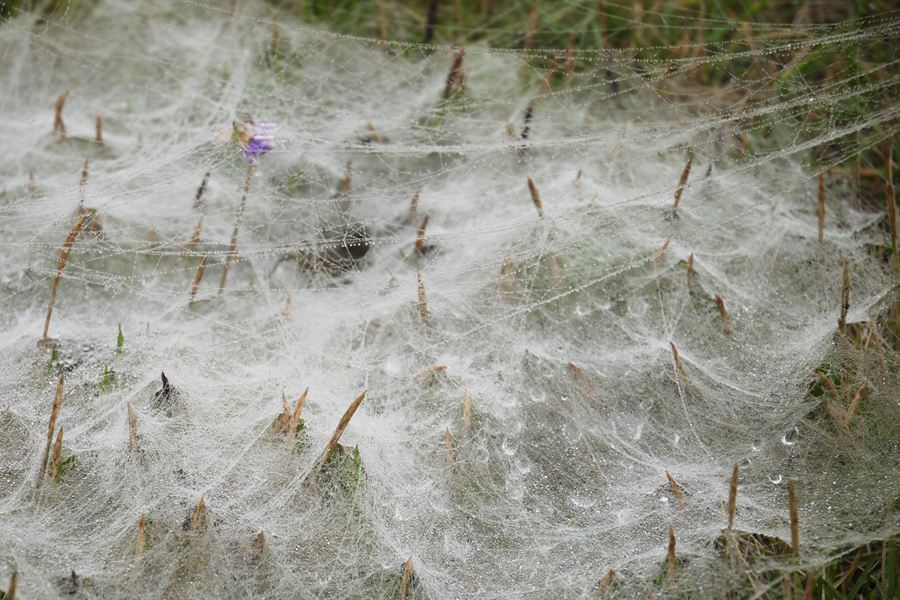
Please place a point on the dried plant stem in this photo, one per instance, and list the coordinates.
(671, 560)
(675, 487)
(726, 320)
(51, 427)
(795, 525)
(11, 589)
(455, 78)
(420, 236)
(732, 496)
(682, 182)
(820, 208)
(808, 589)
(467, 408)
(286, 313)
(199, 196)
(554, 65)
(336, 436)
(57, 454)
(526, 124)
(570, 56)
(413, 208)
(198, 515)
(405, 578)
(530, 28)
(661, 255)
(82, 184)
(132, 429)
(198, 277)
(690, 271)
(889, 197)
(845, 298)
(536, 198)
(294, 419)
(61, 263)
(259, 545)
(855, 402)
(98, 130)
(382, 21)
(448, 442)
(679, 367)
(140, 537)
(59, 126)
(195, 237)
(273, 44)
(423, 302)
(232, 249)
(605, 583)
(431, 20)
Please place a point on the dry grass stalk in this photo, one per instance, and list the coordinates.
(259, 545)
(11, 589)
(795, 523)
(529, 30)
(286, 312)
(467, 408)
(423, 302)
(526, 127)
(682, 182)
(59, 126)
(726, 320)
(855, 402)
(671, 560)
(845, 298)
(420, 236)
(679, 367)
(82, 184)
(374, 136)
(413, 208)
(661, 255)
(336, 436)
(198, 277)
(676, 489)
(605, 583)
(536, 198)
(273, 44)
(690, 271)
(554, 65)
(98, 130)
(132, 429)
(577, 181)
(198, 515)
(808, 589)
(455, 78)
(195, 237)
(602, 21)
(405, 578)
(820, 208)
(732, 496)
(140, 537)
(382, 21)
(577, 372)
(570, 56)
(57, 454)
(51, 427)
(199, 196)
(32, 187)
(431, 20)
(232, 249)
(61, 263)
(294, 418)
(448, 442)
(786, 588)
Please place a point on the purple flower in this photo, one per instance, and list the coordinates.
(255, 140)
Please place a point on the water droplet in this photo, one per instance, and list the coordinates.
(790, 438)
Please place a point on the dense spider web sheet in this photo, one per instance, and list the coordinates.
(557, 326)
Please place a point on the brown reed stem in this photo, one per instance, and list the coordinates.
(405, 578)
(82, 184)
(51, 427)
(554, 65)
(423, 302)
(260, 545)
(820, 207)
(57, 454)
(382, 21)
(59, 126)
(420, 237)
(671, 560)
(195, 237)
(455, 78)
(98, 130)
(526, 120)
(682, 182)
(570, 56)
(11, 589)
(690, 271)
(232, 249)
(535, 198)
(140, 537)
(336, 436)
(808, 589)
(795, 522)
(448, 442)
(726, 320)
(413, 208)
(732, 496)
(431, 20)
(198, 277)
(198, 515)
(661, 255)
(61, 263)
(845, 298)
(530, 28)
(467, 408)
(605, 583)
(855, 402)
(295, 417)
(199, 196)
(132, 429)
(676, 489)
(679, 367)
